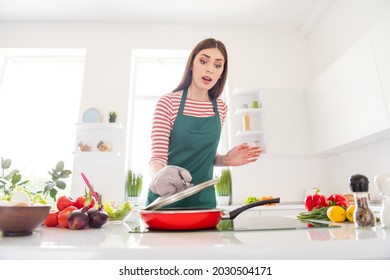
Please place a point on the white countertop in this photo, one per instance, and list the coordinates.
(115, 241)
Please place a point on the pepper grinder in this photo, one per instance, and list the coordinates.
(363, 216)
(382, 182)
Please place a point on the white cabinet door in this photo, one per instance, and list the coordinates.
(345, 102)
(286, 122)
(380, 38)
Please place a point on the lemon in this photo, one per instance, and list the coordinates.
(336, 214)
(350, 213)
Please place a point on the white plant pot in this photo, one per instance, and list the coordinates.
(223, 200)
(133, 200)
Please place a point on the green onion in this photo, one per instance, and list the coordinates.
(224, 186)
(315, 214)
(133, 184)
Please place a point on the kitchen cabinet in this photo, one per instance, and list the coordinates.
(286, 123)
(380, 39)
(345, 103)
(249, 117)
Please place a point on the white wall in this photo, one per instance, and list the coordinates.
(370, 161)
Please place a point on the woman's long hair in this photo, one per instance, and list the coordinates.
(209, 43)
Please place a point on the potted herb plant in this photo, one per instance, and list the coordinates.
(9, 181)
(12, 180)
(112, 117)
(223, 188)
(133, 186)
(56, 183)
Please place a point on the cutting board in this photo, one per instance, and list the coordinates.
(262, 223)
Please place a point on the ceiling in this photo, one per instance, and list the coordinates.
(271, 13)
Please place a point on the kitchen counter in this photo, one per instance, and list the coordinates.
(116, 241)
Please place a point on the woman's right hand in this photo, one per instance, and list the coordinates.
(170, 180)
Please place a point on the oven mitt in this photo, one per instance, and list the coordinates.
(170, 180)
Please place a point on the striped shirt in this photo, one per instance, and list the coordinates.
(165, 116)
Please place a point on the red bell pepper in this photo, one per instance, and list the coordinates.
(315, 201)
(338, 200)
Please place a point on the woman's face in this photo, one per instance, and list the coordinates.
(207, 68)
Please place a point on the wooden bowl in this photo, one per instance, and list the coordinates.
(22, 220)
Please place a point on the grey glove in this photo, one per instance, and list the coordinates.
(170, 180)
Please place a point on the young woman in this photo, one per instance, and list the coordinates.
(187, 126)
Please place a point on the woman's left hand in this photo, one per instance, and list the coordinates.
(242, 154)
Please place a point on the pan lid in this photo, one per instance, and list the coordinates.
(166, 200)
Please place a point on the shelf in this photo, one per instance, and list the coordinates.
(249, 133)
(97, 154)
(242, 111)
(100, 126)
(246, 91)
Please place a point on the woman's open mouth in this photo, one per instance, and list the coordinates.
(206, 79)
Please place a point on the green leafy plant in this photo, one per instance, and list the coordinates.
(224, 186)
(133, 183)
(251, 199)
(113, 116)
(117, 211)
(10, 180)
(56, 183)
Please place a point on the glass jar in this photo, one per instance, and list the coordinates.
(246, 124)
(363, 216)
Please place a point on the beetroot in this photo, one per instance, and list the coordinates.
(97, 216)
(78, 219)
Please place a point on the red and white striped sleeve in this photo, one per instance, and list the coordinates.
(161, 129)
(222, 110)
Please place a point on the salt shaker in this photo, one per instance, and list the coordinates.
(363, 216)
(382, 182)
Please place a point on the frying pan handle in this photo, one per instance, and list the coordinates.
(234, 213)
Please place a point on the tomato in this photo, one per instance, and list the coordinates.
(80, 201)
(63, 216)
(63, 202)
(52, 218)
(336, 214)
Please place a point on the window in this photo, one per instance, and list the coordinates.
(155, 73)
(40, 94)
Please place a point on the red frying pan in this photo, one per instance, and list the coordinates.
(190, 219)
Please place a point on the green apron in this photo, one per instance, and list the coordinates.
(193, 145)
